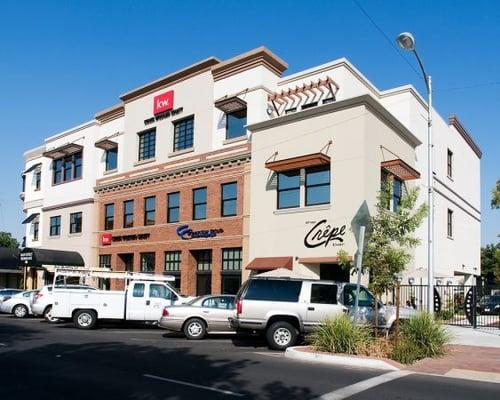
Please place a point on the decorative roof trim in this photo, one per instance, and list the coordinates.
(110, 114)
(454, 121)
(400, 169)
(308, 160)
(69, 204)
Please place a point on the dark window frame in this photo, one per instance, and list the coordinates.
(128, 223)
(102, 260)
(38, 180)
(147, 145)
(107, 161)
(109, 219)
(55, 226)
(449, 223)
(228, 128)
(75, 226)
(202, 203)
(231, 257)
(36, 231)
(148, 211)
(224, 200)
(172, 208)
(143, 259)
(295, 172)
(316, 185)
(67, 169)
(449, 164)
(173, 261)
(183, 133)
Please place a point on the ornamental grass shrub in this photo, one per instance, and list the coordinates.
(341, 335)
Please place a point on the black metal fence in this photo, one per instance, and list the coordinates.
(468, 305)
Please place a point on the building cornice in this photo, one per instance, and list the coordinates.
(69, 204)
(454, 121)
(364, 100)
(110, 114)
(171, 79)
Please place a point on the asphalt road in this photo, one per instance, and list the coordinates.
(43, 361)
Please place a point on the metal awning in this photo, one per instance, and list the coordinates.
(106, 144)
(63, 151)
(400, 169)
(309, 160)
(32, 218)
(269, 263)
(9, 258)
(34, 257)
(32, 168)
(231, 104)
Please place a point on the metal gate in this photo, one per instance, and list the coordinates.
(468, 305)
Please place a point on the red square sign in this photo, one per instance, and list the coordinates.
(163, 102)
(106, 239)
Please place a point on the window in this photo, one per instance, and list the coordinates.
(204, 272)
(148, 262)
(323, 294)
(111, 159)
(55, 226)
(273, 290)
(203, 260)
(183, 134)
(229, 199)
(391, 183)
(231, 270)
(128, 213)
(200, 203)
(67, 169)
(450, 223)
(75, 222)
(220, 302)
(36, 228)
(149, 210)
(397, 192)
(157, 291)
(236, 124)
(366, 299)
(288, 189)
(138, 290)
(24, 183)
(147, 145)
(173, 266)
(109, 216)
(173, 207)
(449, 160)
(38, 180)
(317, 185)
(105, 261)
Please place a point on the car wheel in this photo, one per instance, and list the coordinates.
(281, 335)
(195, 329)
(20, 311)
(47, 315)
(85, 319)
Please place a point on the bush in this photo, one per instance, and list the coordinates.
(421, 332)
(341, 335)
(406, 352)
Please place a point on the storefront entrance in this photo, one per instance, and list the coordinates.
(333, 272)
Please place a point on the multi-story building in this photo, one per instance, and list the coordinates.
(226, 167)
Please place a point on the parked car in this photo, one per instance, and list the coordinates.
(42, 302)
(284, 308)
(201, 316)
(19, 304)
(489, 305)
(7, 293)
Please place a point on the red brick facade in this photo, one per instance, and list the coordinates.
(162, 235)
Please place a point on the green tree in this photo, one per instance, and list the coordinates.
(6, 240)
(490, 263)
(495, 195)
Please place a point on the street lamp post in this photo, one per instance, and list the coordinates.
(406, 41)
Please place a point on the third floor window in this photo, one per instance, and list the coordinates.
(67, 169)
(111, 159)
(75, 222)
(149, 210)
(147, 145)
(173, 207)
(109, 216)
(449, 162)
(183, 134)
(236, 124)
(128, 214)
(200, 203)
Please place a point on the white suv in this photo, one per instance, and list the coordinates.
(42, 303)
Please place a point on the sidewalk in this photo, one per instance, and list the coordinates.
(464, 335)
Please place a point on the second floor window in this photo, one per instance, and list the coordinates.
(109, 216)
(147, 262)
(183, 134)
(289, 189)
(172, 261)
(55, 226)
(105, 261)
(449, 166)
(394, 185)
(149, 210)
(36, 228)
(173, 207)
(147, 145)
(236, 124)
(75, 222)
(450, 223)
(111, 159)
(67, 169)
(38, 180)
(229, 199)
(317, 185)
(128, 214)
(200, 203)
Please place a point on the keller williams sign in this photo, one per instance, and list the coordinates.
(163, 102)
(106, 239)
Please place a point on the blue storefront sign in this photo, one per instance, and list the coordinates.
(186, 233)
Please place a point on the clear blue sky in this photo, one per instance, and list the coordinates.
(61, 61)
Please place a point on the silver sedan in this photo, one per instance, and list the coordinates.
(201, 316)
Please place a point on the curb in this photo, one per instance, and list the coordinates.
(297, 353)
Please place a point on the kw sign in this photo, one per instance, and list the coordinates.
(163, 102)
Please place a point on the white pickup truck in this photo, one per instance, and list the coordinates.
(144, 299)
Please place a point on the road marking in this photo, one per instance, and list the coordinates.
(473, 375)
(3, 345)
(356, 388)
(194, 385)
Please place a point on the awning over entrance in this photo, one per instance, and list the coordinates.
(32, 218)
(309, 160)
(269, 263)
(9, 258)
(37, 257)
(400, 169)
